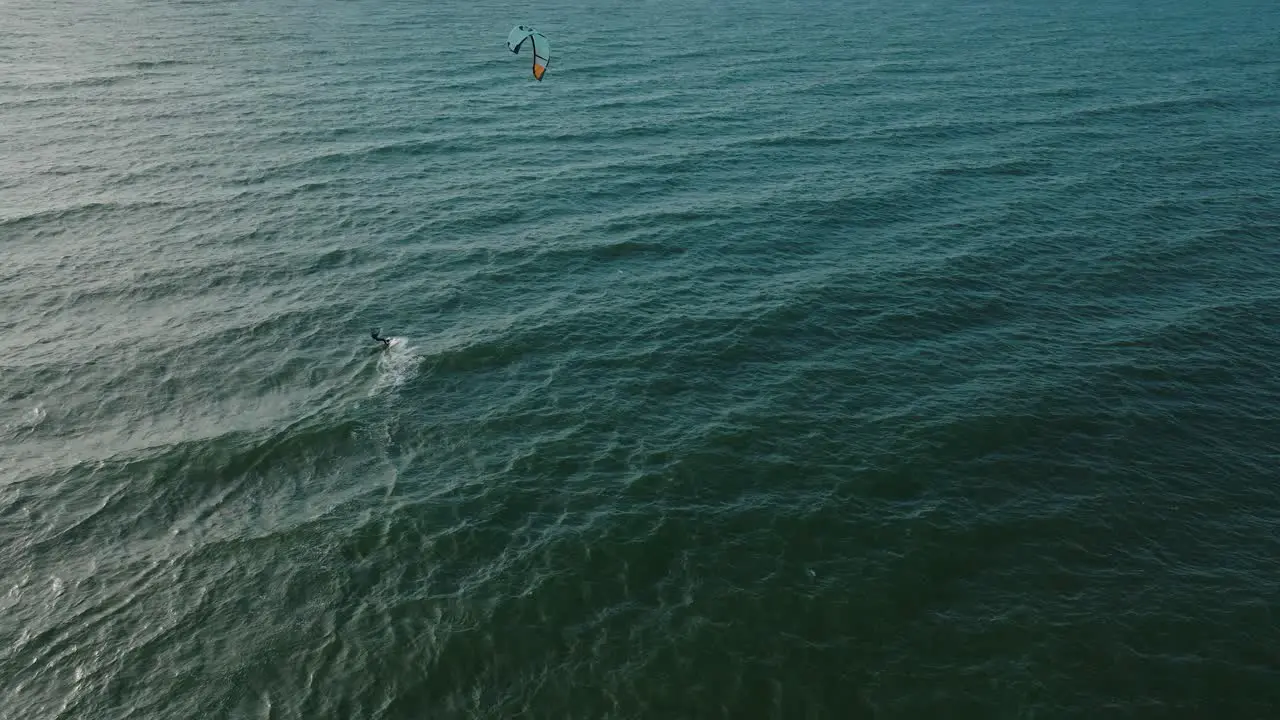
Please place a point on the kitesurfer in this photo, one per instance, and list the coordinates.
(386, 341)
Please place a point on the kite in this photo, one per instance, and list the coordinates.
(538, 44)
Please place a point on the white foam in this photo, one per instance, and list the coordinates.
(397, 365)
(28, 421)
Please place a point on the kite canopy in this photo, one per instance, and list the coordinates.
(539, 45)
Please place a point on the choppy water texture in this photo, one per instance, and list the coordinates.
(768, 360)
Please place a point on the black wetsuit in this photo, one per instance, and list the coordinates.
(386, 341)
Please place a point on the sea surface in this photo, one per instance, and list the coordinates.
(893, 359)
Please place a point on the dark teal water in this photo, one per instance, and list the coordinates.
(767, 360)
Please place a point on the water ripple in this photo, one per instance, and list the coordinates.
(855, 362)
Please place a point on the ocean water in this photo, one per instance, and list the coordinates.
(810, 359)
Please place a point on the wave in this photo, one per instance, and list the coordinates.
(1143, 109)
(1010, 168)
(88, 211)
(152, 64)
(179, 485)
(91, 81)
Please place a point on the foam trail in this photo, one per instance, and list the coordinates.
(396, 365)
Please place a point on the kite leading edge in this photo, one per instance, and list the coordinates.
(538, 43)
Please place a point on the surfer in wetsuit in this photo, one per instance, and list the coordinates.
(386, 341)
